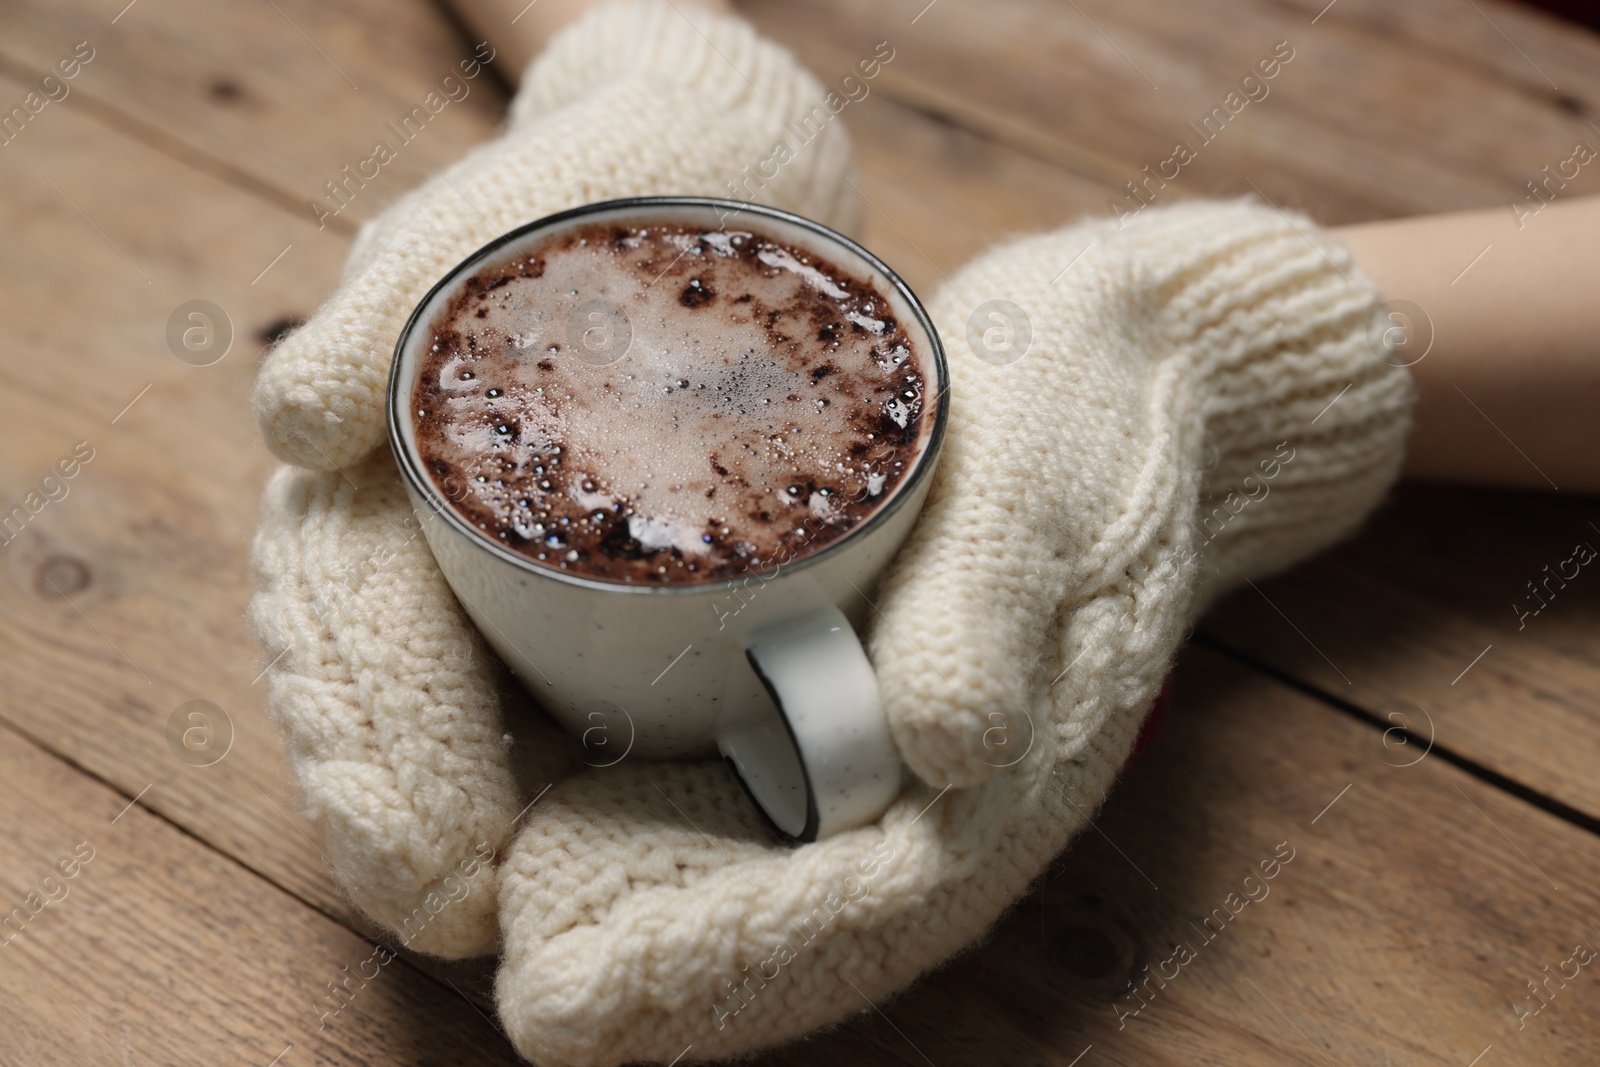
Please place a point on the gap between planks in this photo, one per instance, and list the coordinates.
(1505, 784)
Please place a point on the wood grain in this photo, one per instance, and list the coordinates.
(933, 195)
(124, 599)
(160, 950)
(1397, 620)
(1381, 112)
(286, 130)
(1401, 932)
(277, 97)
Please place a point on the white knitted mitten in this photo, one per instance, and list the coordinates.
(1197, 404)
(1167, 436)
(383, 689)
(1167, 433)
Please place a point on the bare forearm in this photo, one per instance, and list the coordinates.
(1509, 393)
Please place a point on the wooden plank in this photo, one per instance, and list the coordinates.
(278, 96)
(1378, 114)
(125, 596)
(1419, 617)
(1402, 930)
(933, 195)
(1536, 52)
(128, 941)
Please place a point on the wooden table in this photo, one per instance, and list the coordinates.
(1379, 714)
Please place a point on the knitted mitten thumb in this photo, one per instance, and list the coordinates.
(633, 100)
(1143, 415)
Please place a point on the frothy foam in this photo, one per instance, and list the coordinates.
(657, 403)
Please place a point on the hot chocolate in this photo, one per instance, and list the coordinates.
(649, 402)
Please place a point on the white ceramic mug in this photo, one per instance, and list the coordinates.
(766, 668)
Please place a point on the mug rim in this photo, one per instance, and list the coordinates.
(409, 461)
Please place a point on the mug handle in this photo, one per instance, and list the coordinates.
(827, 761)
